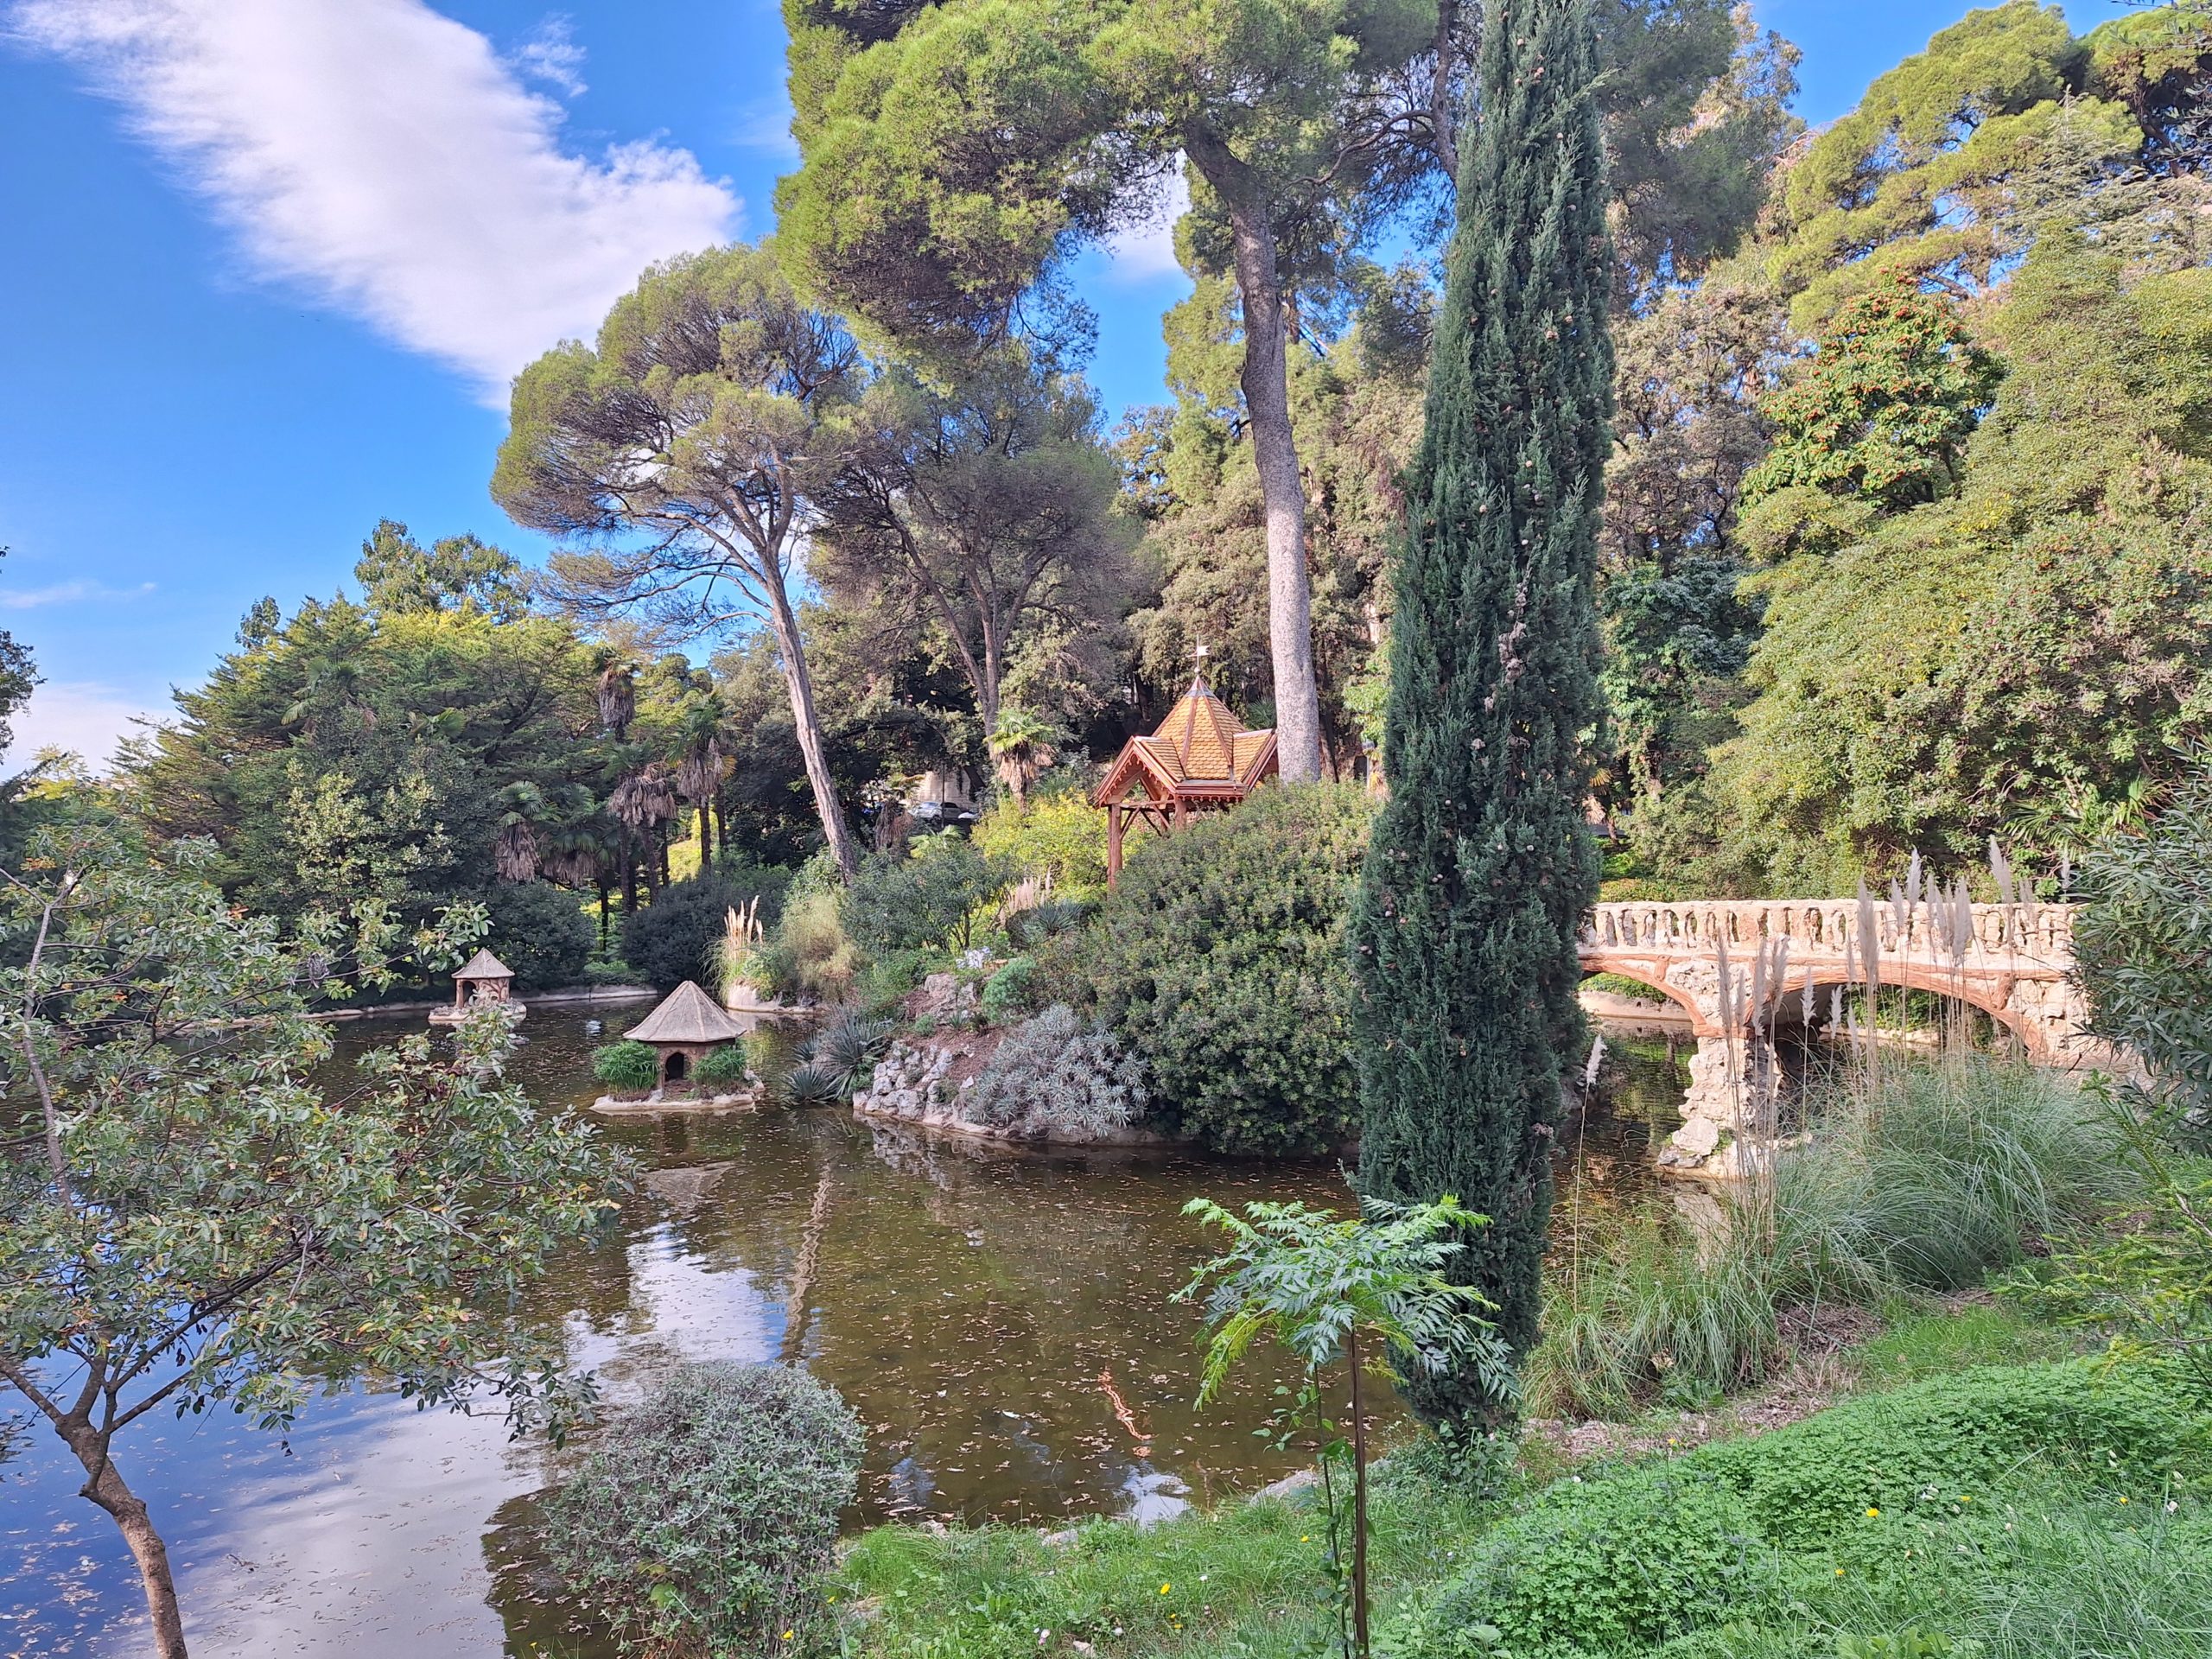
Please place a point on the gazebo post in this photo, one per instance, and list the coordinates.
(1113, 842)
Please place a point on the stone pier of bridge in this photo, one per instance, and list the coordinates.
(1740, 970)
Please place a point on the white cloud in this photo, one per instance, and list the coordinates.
(551, 55)
(385, 157)
(1145, 249)
(66, 593)
(84, 717)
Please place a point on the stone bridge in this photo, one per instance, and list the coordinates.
(1741, 971)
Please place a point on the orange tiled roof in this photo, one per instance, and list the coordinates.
(1198, 746)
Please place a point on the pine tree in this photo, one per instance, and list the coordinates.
(1481, 865)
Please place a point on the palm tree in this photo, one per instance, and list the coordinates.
(618, 696)
(1022, 746)
(699, 769)
(641, 803)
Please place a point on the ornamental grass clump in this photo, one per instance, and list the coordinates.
(625, 1064)
(704, 1518)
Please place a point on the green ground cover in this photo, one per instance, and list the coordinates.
(2044, 1508)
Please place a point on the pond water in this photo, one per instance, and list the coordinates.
(1002, 1324)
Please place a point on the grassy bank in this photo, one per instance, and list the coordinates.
(2035, 1510)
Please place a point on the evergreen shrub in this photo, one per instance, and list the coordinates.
(1011, 991)
(625, 1064)
(541, 931)
(926, 899)
(1219, 958)
(1054, 1076)
(704, 1519)
(674, 937)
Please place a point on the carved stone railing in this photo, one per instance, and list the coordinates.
(1825, 929)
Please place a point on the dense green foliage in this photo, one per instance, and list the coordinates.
(1481, 865)
(923, 900)
(1220, 959)
(675, 937)
(1742, 1533)
(625, 1064)
(703, 1518)
(2040, 632)
(2143, 942)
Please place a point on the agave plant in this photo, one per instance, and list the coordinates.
(810, 1084)
(846, 1047)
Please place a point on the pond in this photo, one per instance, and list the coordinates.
(1002, 1324)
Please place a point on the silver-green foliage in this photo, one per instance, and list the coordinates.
(1055, 1078)
(704, 1517)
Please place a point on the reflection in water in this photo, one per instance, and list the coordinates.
(1001, 1323)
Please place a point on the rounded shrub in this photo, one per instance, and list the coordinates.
(1055, 1078)
(676, 937)
(541, 931)
(704, 1518)
(625, 1064)
(1011, 991)
(1220, 959)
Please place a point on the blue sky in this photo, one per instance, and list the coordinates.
(269, 262)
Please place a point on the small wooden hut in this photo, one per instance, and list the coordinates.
(482, 978)
(1200, 760)
(683, 1030)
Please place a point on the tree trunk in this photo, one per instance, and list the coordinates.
(706, 836)
(106, 1487)
(1275, 451)
(1358, 1498)
(800, 684)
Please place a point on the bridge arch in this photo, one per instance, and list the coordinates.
(1653, 979)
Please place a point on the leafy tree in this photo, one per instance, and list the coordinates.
(1879, 418)
(1951, 165)
(191, 1221)
(706, 424)
(985, 512)
(1481, 866)
(922, 901)
(1693, 368)
(420, 757)
(2024, 656)
(1363, 1292)
(398, 575)
(2159, 64)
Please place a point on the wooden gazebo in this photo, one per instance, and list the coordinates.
(1198, 760)
(683, 1030)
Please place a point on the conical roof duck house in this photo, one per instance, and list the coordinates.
(683, 1030)
(483, 978)
(1201, 759)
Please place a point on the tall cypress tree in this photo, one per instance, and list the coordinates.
(1481, 865)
